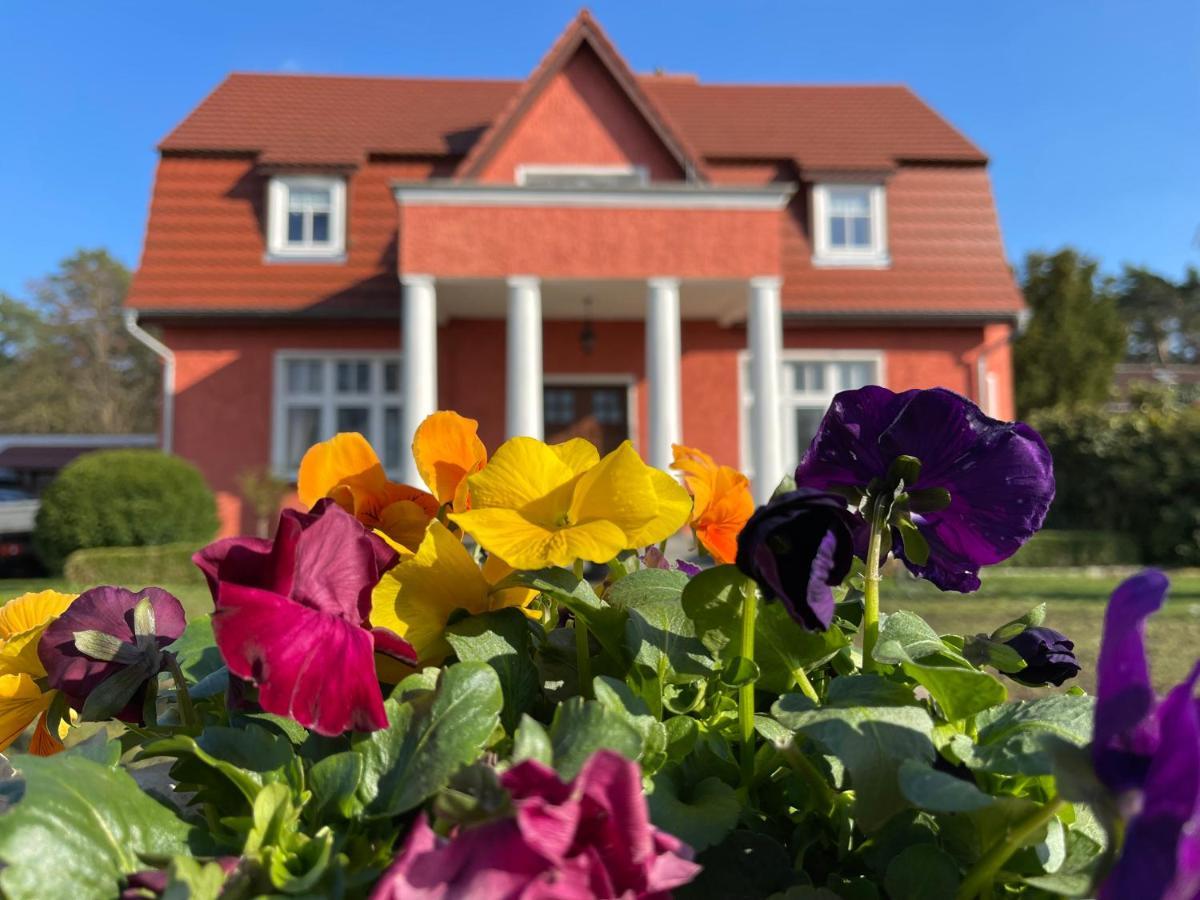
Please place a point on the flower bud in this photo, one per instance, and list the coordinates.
(1049, 656)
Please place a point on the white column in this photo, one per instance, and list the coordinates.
(662, 370)
(524, 403)
(418, 362)
(764, 331)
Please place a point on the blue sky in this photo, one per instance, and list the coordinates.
(1090, 109)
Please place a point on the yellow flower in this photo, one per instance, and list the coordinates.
(22, 622)
(538, 505)
(447, 449)
(416, 598)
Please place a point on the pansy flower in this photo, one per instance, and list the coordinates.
(347, 470)
(416, 598)
(976, 488)
(538, 505)
(447, 449)
(22, 698)
(721, 501)
(1148, 752)
(292, 616)
(101, 637)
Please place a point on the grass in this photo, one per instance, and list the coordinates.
(1075, 601)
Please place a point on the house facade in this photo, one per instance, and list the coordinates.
(586, 252)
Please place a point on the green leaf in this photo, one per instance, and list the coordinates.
(334, 784)
(700, 817)
(606, 623)
(868, 690)
(958, 692)
(713, 601)
(1010, 738)
(114, 693)
(745, 865)
(872, 742)
(920, 872)
(682, 732)
(430, 735)
(911, 633)
(646, 586)
(581, 727)
(659, 637)
(616, 696)
(782, 647)
(1034, 617)
(929, 789)
(249, 757)
(193, 879)
(916, 548)
(197, 650)
(78, 828)
(502, 640)
(532, 742)
(739, 671)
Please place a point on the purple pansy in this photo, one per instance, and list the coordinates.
(1149, 752)
(999, 475)
(108, 611)
(292, 615)
(589, 838)
(654, 558)
(1049, 656)
(798, 547)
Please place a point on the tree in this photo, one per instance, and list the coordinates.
(66, 362)
(1066, 356)
(1163, 316)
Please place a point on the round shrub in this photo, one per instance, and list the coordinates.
(123, 498)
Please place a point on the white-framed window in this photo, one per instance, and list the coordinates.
(306, 217)
(318, 393)
(849, 225)
(808, 380)
(581, 177)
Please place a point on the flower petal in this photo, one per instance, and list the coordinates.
(43, 743)
(845, 450)
(577, 454)
(521, 472)
(674, 507)
(21, 701)
(315, 667)
(345, 458)
(618, 489)
(405, 523)
(447, 449)
(30, 611)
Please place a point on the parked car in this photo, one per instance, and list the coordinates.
(18, 511)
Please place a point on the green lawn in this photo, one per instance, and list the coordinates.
(1075, 602)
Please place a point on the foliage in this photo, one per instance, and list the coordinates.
(1163, 316)
(123, 498)
(160, 564)
(1067, 354)
(265, 493)
(66, 362)
(1076, 547)
(1136, 472)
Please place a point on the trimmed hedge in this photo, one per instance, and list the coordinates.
(123, 498)
(1077, 548)
(133, 566)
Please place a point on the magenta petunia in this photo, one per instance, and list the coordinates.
(588, 838)
(292, 615)
(999, 475)
(110, 611)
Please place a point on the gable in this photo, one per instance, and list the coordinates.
(581, 117)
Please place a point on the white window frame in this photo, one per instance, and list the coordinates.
(279, 190)
(524, 170)
(790, 399)
(376, 399)
(874, 256)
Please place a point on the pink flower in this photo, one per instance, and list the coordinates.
(292, 616)
(586, 839)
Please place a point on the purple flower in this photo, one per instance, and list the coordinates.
(1049, 656)
(797, 547)
(97, 639)
(998, 475)
(292, 616)
(654, 558)
(589, 838)
(1149, 752)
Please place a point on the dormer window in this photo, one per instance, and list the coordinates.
(306, 217)
(849, 225)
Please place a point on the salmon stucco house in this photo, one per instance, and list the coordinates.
(589, 251)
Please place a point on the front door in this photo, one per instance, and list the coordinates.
(597, 412)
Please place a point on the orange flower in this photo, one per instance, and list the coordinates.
(722, 501)
(346, 469)
(447, 449)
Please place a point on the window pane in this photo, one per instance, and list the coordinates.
(855, 375)
(862, 232)
(391, 378)
(607, 407)
(837, 232)
(353, 418)
(320, 228)
(808, 376)
(309, 198)
(304, 376)
(295, 227)
(303, 430)
(559, 406)
(807, 420)
(849, 202)
(354, 377)
(391, 437)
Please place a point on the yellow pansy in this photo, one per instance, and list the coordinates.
(416, 598)
(538, 505)
(22, 622)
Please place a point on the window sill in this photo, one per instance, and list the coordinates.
(309, 256)
(883, 261)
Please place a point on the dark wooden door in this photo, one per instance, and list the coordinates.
(597, 412)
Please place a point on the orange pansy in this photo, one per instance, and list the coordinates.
(447, 449)
(722, 501)
(346, 469)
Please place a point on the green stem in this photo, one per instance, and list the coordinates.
(746, 691)
(187, 712)
(871, 591)
(806, 686)
(981, 876)
(583, 657)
